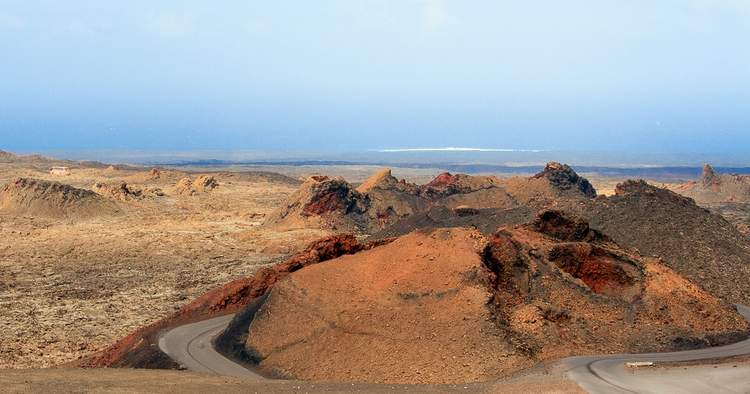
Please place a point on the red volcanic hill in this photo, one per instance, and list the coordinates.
(452, 305)
(696, 243)
(693, 241)
(713, 187)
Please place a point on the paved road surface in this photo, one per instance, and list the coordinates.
(190, 345)
(608, 374)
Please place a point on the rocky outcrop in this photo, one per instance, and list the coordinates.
(201, 184)
(33, 197)
(119, 191)
(323, 202)
(384, 180)
(154, 173)
(383, 200)
(709, 177)
(556, 182)
(124, 192)
(205, 183)
(562, 226)
(389, 200)
(332, 195)
(563, 177)
(712, 187)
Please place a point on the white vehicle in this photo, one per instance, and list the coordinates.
(639, 364)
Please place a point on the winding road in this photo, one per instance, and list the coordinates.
(609, 374)
(191, 346)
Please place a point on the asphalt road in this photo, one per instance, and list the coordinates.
(191, 346)
(609, 374)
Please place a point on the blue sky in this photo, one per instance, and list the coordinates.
(669, 75)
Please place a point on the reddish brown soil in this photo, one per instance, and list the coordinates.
(443, 180)
(451, 305)
(140, 381)
(601, 271)
(391, 314)
(139, 348)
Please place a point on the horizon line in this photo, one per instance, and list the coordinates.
(456, 149)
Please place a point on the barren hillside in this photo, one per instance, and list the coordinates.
(701, 245)
(33, 197)
(450, 305)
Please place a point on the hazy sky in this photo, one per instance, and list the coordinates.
(667, 75)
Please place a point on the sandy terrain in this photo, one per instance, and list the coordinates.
(69, 287)
(151, 381)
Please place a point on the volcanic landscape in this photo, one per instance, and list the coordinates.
(400, 277)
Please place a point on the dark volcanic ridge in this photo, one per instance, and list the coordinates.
(693, 241)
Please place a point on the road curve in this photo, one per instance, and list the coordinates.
(191, 346)
(609, 374)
